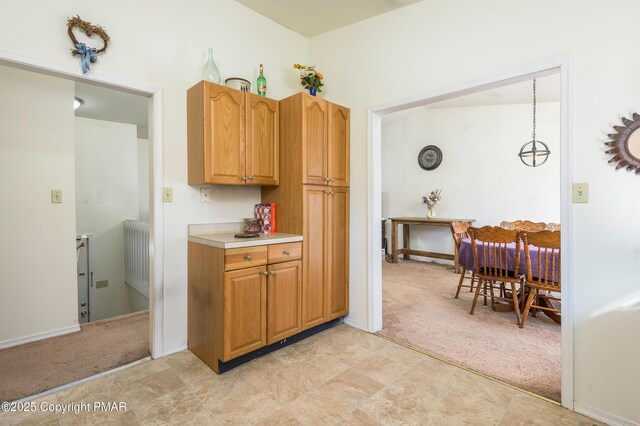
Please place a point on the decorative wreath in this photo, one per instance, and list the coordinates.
(87, 54)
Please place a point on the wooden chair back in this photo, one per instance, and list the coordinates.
(490, 253)
(524, 225)
(459, 231)
(553, 226)
(546, 273)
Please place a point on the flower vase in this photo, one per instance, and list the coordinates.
(431, 212)
(313, 90)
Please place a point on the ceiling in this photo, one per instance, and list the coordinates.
(112, 105)
(547, 90)
(313, 17)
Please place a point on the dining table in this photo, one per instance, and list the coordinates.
(465, 256)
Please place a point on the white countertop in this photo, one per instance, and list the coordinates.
(227, 240)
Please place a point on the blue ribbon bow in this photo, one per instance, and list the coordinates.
(87, 55)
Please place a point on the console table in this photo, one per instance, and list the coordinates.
(406, 249)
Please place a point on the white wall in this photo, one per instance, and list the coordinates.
(38, 288)
(143, 179)
(481, 177)
(164, 44)
(437, 44)
(106, 194)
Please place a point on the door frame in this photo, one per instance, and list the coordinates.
(156, 213)
(564, 66)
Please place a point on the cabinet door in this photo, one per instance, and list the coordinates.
(315, 123)
(262, 140)
(313, 271)
(225, 135)
(283, 300)
(245, 311)
(338, 252)
(338, 152)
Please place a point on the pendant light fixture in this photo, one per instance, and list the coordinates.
(534, 153)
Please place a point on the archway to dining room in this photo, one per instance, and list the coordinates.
(469, 138)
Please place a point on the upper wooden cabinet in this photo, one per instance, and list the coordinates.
(232, 136)
(325, 142)
(262, 140)
(338, 146)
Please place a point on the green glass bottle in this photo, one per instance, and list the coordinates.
(261, 83)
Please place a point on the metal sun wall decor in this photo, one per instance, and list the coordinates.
(625, 144)
(87, 54)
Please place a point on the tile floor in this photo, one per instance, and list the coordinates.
(340, 376)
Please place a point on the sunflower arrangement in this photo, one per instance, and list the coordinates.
(309, 77)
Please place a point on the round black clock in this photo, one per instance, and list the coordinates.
(430, 157)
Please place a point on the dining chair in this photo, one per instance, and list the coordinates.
(492, 246)
(459, 232)
(542, 280)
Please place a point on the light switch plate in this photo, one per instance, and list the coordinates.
(167, 195)
(56, 196)
(581, 192)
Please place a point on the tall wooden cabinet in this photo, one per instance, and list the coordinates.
(232, 136)
(313, 200)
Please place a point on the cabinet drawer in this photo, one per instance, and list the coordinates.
(284, 252)
(244, 257)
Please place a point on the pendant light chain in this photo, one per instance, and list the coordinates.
(534, 110)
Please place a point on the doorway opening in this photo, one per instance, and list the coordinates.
(45, 345)
(560, 67)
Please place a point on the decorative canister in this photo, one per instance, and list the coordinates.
(251, 225)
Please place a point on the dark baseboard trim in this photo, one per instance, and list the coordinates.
(229, 365)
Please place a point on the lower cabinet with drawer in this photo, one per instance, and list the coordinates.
(242, 299)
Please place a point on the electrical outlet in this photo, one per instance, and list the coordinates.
(102, 284)
(205, 194)
(167, 195)
(580, 192)
(56, 196)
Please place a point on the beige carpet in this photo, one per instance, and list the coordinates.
(100, 346)
(419, 309)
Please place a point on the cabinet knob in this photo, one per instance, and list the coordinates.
(330, 179)
(250, 178)
(331, 192)
(286, 252)
(248, 257)
(265, 273)
(326, 179)
(272, 273)
(244, 178)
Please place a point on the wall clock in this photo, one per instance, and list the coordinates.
(430, 157)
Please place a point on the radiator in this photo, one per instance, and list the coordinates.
(136, 255)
